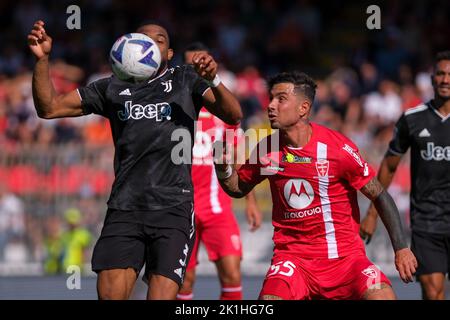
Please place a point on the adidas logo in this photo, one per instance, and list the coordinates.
(125, 92)
(424, 133)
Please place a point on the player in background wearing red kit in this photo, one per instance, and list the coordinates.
(216, 224)
(314, 175)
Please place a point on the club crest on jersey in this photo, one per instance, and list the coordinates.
(370, 272)
(167, 85)
(158, 111)
(322, 167)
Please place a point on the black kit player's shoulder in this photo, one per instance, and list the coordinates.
(93, 96)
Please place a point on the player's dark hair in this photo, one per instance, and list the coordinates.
(154, 22)
(196, 46)
(302, 82)
(443, 55)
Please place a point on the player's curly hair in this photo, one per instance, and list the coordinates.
(443, 55)
(302, 82)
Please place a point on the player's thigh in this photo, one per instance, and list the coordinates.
(161, 287)
(433, 285)
(222, 237)
(168, 252)
(367, 281)
(285, 280)
(116, 284)
(383, 292)
(431, 252)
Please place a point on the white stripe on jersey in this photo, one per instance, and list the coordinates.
(419, 108)
(326, 207)
(214, 192)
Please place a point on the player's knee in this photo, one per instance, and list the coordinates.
(384, 293)
(108, 291)
(230, 276)
(188, 282)
(433, 287)
(115, 284)
(433, 292)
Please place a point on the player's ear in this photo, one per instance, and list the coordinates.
(304, 108)
(169, 54)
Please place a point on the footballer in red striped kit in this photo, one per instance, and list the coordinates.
(314, 174)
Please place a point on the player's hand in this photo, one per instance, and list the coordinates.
(205, 65)
(39, 41)
(406, 264)
(368, 225)
(254, 216)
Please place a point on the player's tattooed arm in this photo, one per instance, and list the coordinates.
(387, 211)
(232, 185)
(47, 102)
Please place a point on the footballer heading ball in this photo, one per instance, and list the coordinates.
(135, 57)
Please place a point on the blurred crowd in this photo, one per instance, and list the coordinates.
(366, 79)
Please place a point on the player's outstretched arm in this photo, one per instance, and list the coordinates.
(219, 101)
(230, 182)
(226, 173)
(385, 175)
(405, 261)
(47, 102)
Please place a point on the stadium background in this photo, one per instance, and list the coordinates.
(366, 79)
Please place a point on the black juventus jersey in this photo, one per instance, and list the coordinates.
(427, 132)
(148, 120)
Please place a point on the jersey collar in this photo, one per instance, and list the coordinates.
(438, 113)
(151, 80)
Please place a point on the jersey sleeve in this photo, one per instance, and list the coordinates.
(198, 86)
(354, 169)
(93, 97)
(400, 141)
(252, 172)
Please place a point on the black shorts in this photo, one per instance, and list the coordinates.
(432, 252)
(162, 240)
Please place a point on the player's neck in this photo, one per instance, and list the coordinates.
(443, 106)
(162, 70)
(297, 136)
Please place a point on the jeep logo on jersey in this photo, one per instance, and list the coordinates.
(435, 152)
(157, 111)
(298, 193)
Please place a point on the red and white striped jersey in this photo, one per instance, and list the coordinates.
(208, 195)
(315, 209)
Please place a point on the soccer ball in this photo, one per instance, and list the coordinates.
(135, 57)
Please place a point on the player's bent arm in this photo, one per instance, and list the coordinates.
(47, 102)
(388, 212)
(223, 104)
(230, 182)
(386, 173)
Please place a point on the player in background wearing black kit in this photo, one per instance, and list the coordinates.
(150, 209)
(426, 129)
